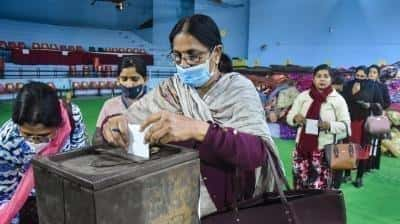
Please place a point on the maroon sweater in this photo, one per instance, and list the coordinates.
(223, 150)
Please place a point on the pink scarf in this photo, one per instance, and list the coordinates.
(9, 210)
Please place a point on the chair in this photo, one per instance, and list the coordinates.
(111, 84)
(10, 88)
(93, 85)
(102, 85)
(12, 45)
(86, 70)
(76, 86)
(54, 47)
(35, 45)
(3, 44)
(85, 85)
(18, 86)
(72, 70)
(2, 89)
(51, 84)
(71, 48)
(92, 49)
(44, 46)
(2, 66)
(79, 48)
(63, 48)
(21, 45)
(108, 70)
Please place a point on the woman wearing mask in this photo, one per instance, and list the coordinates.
(374, 75)
(208, 108)
(328, 109)
(41, 124)
(361, 95)
(132, 79)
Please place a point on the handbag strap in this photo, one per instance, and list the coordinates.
(345, 125)
(280, 181)
(347, 132)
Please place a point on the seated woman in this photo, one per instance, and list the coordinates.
(327, 107)
(211, 109)
(41, 124)
(132, 79)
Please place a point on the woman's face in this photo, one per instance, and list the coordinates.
(188, 51)
(373, 74)
(129, 78)
(37, 133)
(360, 75)
(322, 79)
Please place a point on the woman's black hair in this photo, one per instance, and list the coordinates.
(37, 103)
(135, 62)
(322, 67)
(225, 65)
(206, 31)
(362, 68)
(376, 67)
(338, 80)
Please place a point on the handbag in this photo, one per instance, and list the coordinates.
(342, 156)
(284, 207)
(377, 125)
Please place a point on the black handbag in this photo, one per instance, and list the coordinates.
(285, 207)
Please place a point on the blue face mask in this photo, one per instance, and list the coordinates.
(195, 76)
(134, 92)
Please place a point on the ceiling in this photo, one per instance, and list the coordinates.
(78, 13)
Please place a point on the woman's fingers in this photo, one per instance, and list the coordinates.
(123, 128)
(115, 131)
(158, 134)
(151, 119)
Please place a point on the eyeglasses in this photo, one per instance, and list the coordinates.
(43, 138)
(193, 58)
(126, 78)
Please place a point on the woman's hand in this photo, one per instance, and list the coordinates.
(356, 88)
(299, 119)
(324, 126)
(165, 127)
(115, 131)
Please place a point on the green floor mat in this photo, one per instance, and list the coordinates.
(378, 202)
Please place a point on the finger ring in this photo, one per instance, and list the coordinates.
(115, 130)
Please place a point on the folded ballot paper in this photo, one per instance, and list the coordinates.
(137, 147)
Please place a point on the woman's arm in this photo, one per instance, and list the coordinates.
(295, 110)
(342, 121)
(78, 136)
(232, 147)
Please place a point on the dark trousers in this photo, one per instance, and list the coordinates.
(376, 159)
(362, 164)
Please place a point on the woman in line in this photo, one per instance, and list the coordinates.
(213, 110)
(132, 79)
(328, 109)
(41, 124)
(361, 95)
(374, 75)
